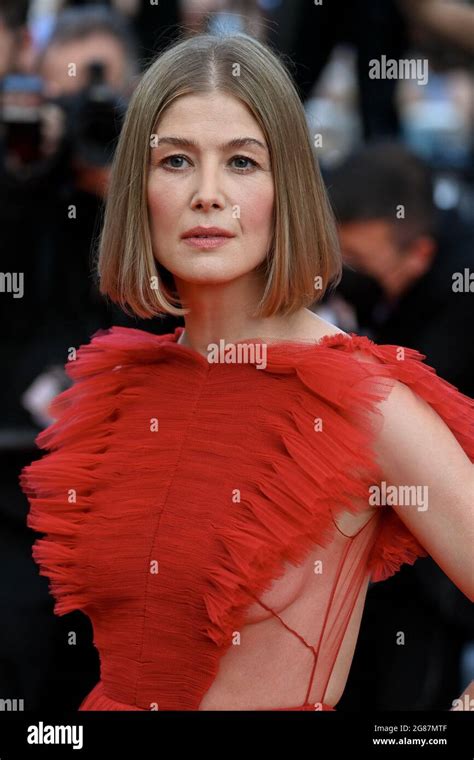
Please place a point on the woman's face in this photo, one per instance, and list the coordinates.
(209, 183)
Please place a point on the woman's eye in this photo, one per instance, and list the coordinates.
(244, 158)
(171, 158)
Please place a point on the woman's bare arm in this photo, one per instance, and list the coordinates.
(416, 447)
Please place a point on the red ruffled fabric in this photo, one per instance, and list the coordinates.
(98, 701)
(395, 544)
(214, 476)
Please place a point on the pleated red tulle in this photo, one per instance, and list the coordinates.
(98, 701)
(174, 492)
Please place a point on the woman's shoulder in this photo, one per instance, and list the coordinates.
(317, 331)
(315, 328)
(112, 348)
(388, 380)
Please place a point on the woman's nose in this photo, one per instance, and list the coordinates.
(208, 191)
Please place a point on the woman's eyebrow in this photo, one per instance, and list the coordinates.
(237, 142)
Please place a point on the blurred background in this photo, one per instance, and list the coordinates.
(388, 92)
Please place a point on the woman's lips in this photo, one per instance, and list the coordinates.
(213, 241)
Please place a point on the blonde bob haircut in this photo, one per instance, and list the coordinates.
(303, 258)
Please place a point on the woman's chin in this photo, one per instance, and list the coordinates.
(208, 279)
(208, 275)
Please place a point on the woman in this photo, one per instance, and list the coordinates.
(217, 499)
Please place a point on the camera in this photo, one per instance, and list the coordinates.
(89, 124)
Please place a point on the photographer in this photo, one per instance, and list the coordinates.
(56, 143)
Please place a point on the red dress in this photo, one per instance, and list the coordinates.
(176, 491)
